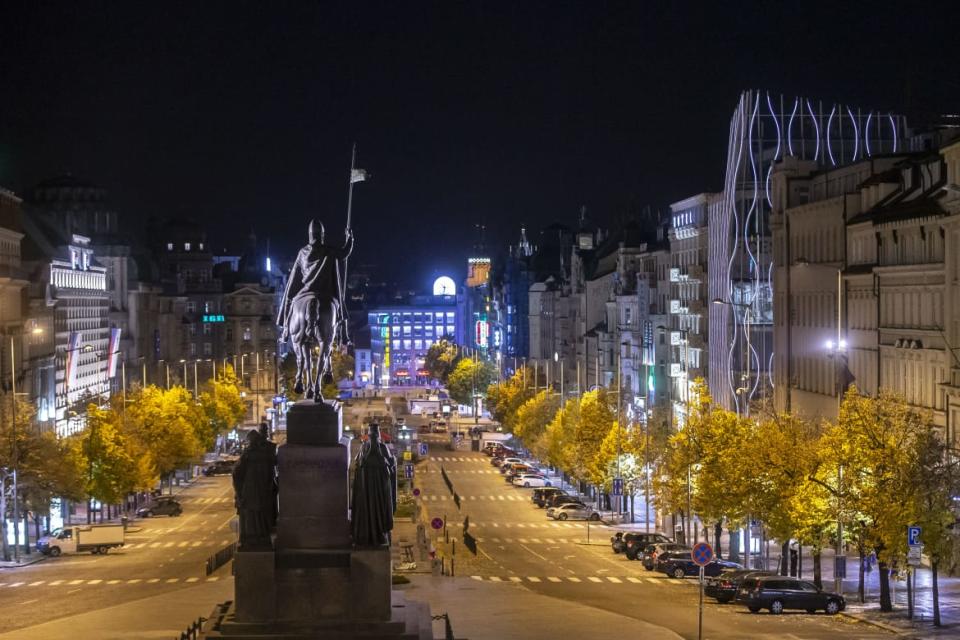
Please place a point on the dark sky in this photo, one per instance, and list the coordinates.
(241, 114)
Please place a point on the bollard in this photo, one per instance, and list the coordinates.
(453, 555)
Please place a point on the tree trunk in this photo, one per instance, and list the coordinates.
(884, 575)
(860, 591)
(910, 585)
(717, 532)
(3, 516)
(934, 565)
(817, 569)
(799, 560)
(734, 545)
(89, 509)
(785, 558)
(26, 532)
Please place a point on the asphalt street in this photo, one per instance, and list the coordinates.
(160, 555)
(520, 548)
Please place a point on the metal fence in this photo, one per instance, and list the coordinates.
(193, 631)
(221, 557)
(447, 629)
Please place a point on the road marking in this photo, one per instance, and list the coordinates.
(183, 544)
(33, 584)
(28, 602)
(72, 582)
(500, 498)
(495, 579)
(191, 579)
(196, 544)
(574, 579)
(515, 579)
(134, 580)
(653, 580)
(154, 545)
(594, 579)
(172, 580)
(550, 541)
(480, 578)
(554, 579)
(56, 582)
(521, 525)
(153, 580)
(522, 540)
(114, 581)
(533, 579)
(213, 578)
(634, 580)
(508, 540)
(98, 581)
(535, 540)
(534, 553)
(614, 580)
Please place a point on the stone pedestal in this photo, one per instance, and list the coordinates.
(314, 583)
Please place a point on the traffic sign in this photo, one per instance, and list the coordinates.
(416, 492)
(913, 535)
(423, 449)
(437, 523)
(408, 471)
(913, 555)
(702, 554)
(618, 486)
(407, 455)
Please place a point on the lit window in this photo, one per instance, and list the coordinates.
(247, 334)
(201, 246)
(450, 316)
(406, 344)
(169, 246)
(193, 349)
(396, 344)
(418, 344)
(451, 330)
(207, 329)
(186, 246)
(439, 330)
(191, 306)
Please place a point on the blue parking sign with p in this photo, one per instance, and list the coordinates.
(423, 448)
(913, 536)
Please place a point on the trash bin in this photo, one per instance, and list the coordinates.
(124, 520)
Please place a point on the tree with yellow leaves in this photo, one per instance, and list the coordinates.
(169, 424)
(504, 399)
(532, 419)
(222, 405)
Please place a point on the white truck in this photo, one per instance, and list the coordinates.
(95, 538)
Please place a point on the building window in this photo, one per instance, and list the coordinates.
(193, 349)
(418, 344)
(406, 345)
(169, 246)
(186, 246)
(247, 334)
(450, 316)
(396, 345)
(191, 306)
(207, 348)
(451, 330)
(207, 329)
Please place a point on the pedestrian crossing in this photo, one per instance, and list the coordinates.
(201, 501)
(100, 582)
(530, 540)
(484, 459)
(501, 498)
(533, 525)
(585, 580)
(183, 544)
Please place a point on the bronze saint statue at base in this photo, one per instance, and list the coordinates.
(374, 493)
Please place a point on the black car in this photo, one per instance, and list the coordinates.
(220, 468)
(778, 593)
(542, 494)
(652, 554)
(635, 543)
(679, 566)
(161, 507)
(724, 587)
(559, 499)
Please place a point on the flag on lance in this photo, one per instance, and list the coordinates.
(73, 359)
(114, 352)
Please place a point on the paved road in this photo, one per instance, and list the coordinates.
(161, 555)
(520, 548)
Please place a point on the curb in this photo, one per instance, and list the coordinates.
(34, 559)
(876, 623)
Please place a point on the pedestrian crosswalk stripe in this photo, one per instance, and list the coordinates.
(56, 582)
(594, 579)
(213, 578)
(522, 540)
(634, 580)
(134, 581)
(477, 578)
(172, 580)
(114, 581)
(94, 581)
(495, 579)
(614, 580)
(573, 579)
(72, 582)
(508, 540)
(535, 540)
(194, 579)
(515, 579)
(196, 543)
(153, 580)
(33, 584)
(533, 579)
(553, 579)
(184, 543)
(521, 525)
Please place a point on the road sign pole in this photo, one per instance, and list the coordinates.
(700, 616)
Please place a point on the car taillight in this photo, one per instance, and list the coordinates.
(726, 584)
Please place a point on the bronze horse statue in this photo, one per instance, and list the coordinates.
(311, 309)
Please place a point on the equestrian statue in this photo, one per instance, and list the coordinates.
(312, 311)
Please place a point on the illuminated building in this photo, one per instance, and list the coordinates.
(764, 130)
(402, 333)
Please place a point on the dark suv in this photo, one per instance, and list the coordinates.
(680, 565)
(562, 498)
(161, 507)
(635, 543)
(777, 593)
(220, 468)
(542, 494)
(652, 553)
(724, 587)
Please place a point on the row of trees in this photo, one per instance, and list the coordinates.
(462, 376)
(139, 439)
(878, 468)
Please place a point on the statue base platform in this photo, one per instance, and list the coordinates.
(314, 583)
(408, 621)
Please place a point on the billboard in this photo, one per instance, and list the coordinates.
(73, 359)
(113, 355)
(478, 272)
(482, 332)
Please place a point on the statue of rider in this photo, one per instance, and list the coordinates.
(316, 271)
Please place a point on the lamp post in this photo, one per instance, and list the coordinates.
(196, 394)
(184, 363)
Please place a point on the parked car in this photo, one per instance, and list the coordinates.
(652, 552)
(540, 496)
(161, 507)
(573, 511)
(499, 462)
(678, 565)
(516, 470)
(220, 468)
(724, 587)
(778, 593)
(559, 499)
(424, 428)
(530, 480)
(95, 538)
(634, 543)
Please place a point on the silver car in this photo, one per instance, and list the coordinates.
(573, 512)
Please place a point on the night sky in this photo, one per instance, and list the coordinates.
(241, 114)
